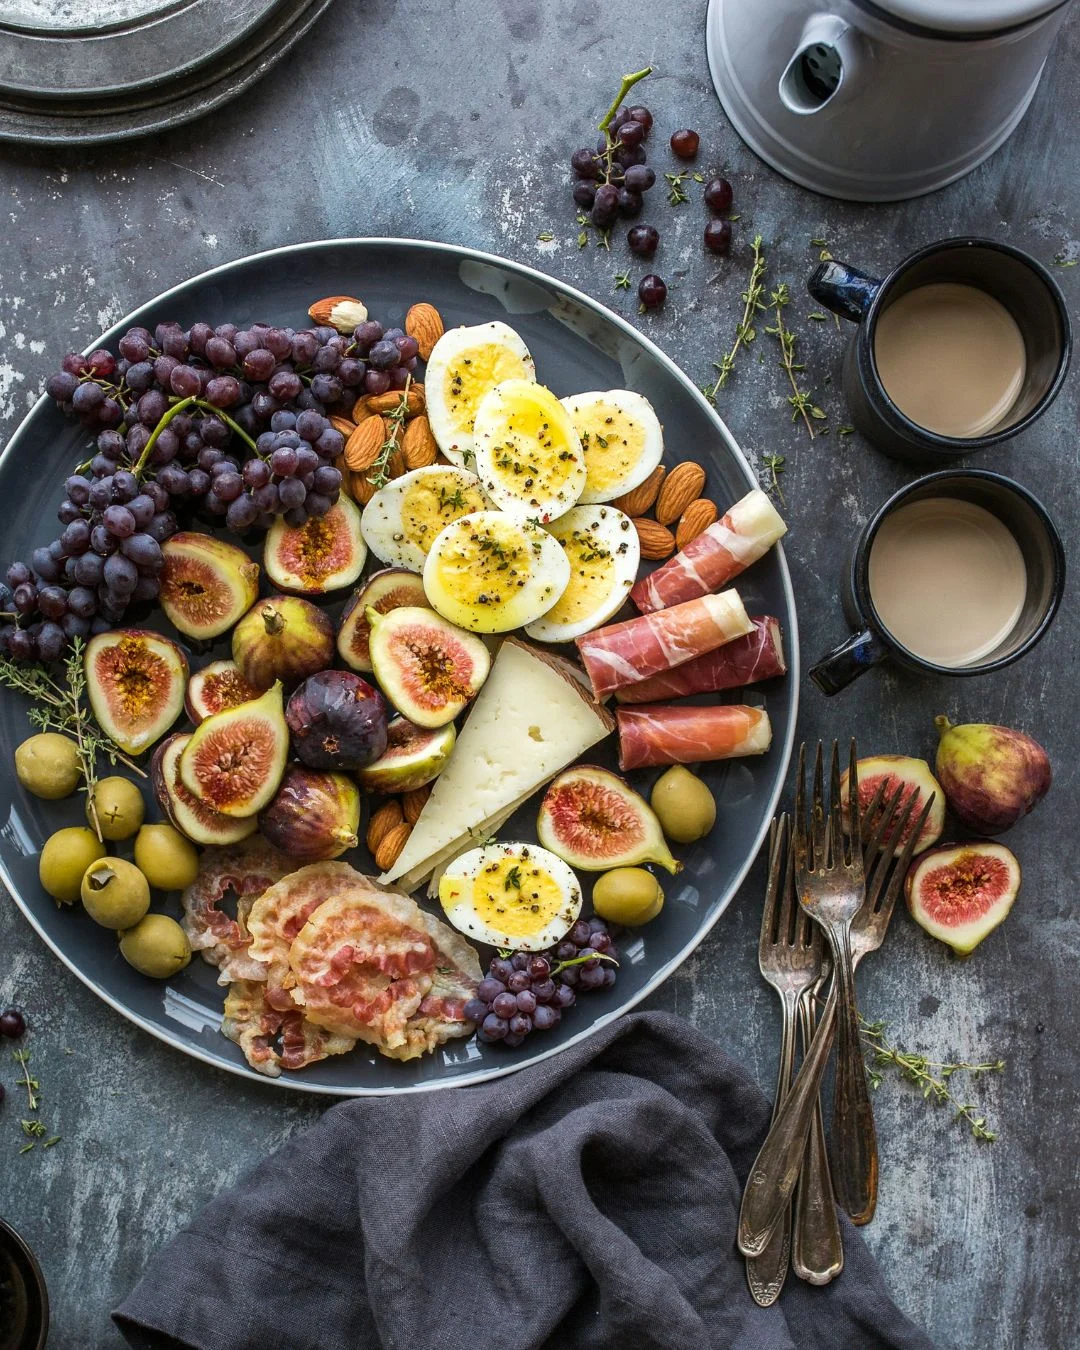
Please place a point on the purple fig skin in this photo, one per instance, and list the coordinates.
(992, 775)
(314, 817)
(282, 638)
(337, 720)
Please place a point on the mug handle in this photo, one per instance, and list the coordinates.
(854, 657)
(843, 289)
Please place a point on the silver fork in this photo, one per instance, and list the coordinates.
(789, 954)
(777, 1166)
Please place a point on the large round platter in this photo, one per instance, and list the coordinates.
(577, 345)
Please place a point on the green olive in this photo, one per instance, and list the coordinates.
(65, 857)
(48, 765)
(157, 946)
(115, 893)
(120, 807)
(165, 858)
(628, 895)
(684, 804)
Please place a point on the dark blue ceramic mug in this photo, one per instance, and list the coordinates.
(1044, 564)
(1014, 278)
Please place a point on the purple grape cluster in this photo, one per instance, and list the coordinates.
(528, 991)
(612, 181)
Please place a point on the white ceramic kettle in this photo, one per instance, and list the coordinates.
(878, 101)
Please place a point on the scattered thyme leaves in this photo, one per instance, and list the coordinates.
(677, 194)
(622, 281)
(1062, 260)
(544, 237)
(513, 880)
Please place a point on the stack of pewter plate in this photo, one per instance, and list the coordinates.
(80, 72)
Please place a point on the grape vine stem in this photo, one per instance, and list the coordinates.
(628, 82)
(193, 402)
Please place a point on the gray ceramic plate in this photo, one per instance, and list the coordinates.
(577, 345)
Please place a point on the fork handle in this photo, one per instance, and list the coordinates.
(766, 1272)
(776, 1168)
(853, 1143)
(817, 1249)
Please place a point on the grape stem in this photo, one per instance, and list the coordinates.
(580, 960)
(628, 82)
(192, 402)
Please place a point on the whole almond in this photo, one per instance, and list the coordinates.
(342, 312)
(361, 488)
(418, 444)
(386, 855)
(656, 540)
(424, 323)
(395, 465)
(343, 424)
(363, 446)
(391, 401)
(681, 486)
(637, 501)
(698, 516)
(360, 410)
(413, 803)
(382, 821)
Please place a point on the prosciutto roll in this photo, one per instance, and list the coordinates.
(624, 653)
(757, 656)
(710, 561)
(660, 734)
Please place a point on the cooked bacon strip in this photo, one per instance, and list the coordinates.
(245, 870)
(659, 734)
(624, 653)
(757, 656)
(710, 561)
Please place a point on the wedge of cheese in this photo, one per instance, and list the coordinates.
(531, 719)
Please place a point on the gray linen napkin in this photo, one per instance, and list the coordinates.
(589, 1201)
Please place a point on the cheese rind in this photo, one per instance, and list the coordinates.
(531, 719)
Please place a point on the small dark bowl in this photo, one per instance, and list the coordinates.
(24, 1300)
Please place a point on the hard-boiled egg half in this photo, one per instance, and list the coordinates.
(603, 550)
(511, 895)
(621, 438)
(528, 455)
(401, 520)
(489, 573)
(464, 364)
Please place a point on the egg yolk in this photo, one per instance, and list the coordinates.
(591, 573)
(472, 374)
(486, 561)
(512, 895)
(613, 443)
(430, 504)
(532, 446)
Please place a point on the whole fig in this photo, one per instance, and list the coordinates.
(314, 816)
(337, 720)
(991, 775)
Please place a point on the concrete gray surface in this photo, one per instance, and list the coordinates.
(455, 123)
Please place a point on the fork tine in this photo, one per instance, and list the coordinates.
(873, 806)
(897, 825)
(777, 837)
(836, 822)
(883, 824)
(800, 826)
(902, 863)
(854, 809)
(819, 839)
(791, 910)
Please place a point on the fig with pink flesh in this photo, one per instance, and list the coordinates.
(892, 772)
(282, 638)
(594, 820)
(235, 759)
(326, 553)
(216, 687)
(135, 682)
(383, 591)
(959, 893)
(314, 816)
(206, 584)
(414, 756)
(992, 775)
(337, 720)
(428, 668)
(193, 818)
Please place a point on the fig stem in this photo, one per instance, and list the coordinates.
(942, 723)
(272, 619)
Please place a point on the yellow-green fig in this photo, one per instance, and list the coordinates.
(991, 775)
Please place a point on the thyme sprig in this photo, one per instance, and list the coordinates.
(32, 1086)
(622, 281)
(775, 466)
(929, 1076)
(801, 400)
(380, 470)
(745, 332)
(61, 706)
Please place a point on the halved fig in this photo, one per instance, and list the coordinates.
(383, 591)
(314, 816)
(324, 554)
(199, 822)
(427, 667)
(594, 820)
(959, 893)
(414, 756)
(216, 687)
(337, 720)
(235, 759)
(282, 638)
(917, 780)
(206, 584)
(135, 682)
